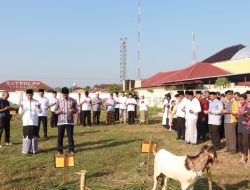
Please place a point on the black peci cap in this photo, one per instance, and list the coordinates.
(190, 93)
(212, 93)
(29, 91)
(198, 92)
(180, 92)
(41, 90)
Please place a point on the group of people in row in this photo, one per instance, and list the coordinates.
(64, 113)
(119, 108)
(193, 116)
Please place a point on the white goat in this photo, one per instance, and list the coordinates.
(185, 169)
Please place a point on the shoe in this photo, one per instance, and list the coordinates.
(59, 154)
(71, 152)
(0, 146)
(8, 144)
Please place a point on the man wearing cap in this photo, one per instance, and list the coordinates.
(96, 106)
(66, 108)
(202, 117)
(230, 121)
(192, 109)
(143, 103)
(117, 106)
(53, 107)
(5, 118)
(86, 103)
(110, 104)
(214, 119)
(166, 106)
(123, 108)
(43, 116)
(180, 114)
(131, 103)
(30, 109)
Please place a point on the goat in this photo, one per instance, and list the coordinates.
(185, 169)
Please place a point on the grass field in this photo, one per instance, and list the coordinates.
(111, 155)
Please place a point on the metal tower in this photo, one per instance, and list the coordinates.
(123, 58)
(139, 39)
(193, 47)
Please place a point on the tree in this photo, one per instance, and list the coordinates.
(87, 88)
(96, 86)
(222, 82)
(114, 88)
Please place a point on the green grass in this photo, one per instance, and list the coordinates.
(111, 155)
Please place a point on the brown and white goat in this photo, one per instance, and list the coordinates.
(185, 169)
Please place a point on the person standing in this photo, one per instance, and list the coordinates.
(143, 103)
(192, 109)
(86, 109)
(96, 106)
(29, 109)
(43, 116)
(5, 118)
(214, 119)
(53, 107)
(166, 106)
(123, 108)
(134, 95)
(230, 121)
(180, 114)
(66, 110)
(244, 129)
(172, 115)
(202, 117)
(117, 106)
(131, 102)
(110, 103)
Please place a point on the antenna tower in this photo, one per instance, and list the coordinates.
(123, 59)
(139, 39)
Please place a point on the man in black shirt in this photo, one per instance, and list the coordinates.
(5, 117)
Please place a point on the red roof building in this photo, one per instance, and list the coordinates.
(157, 79)
(196, 72)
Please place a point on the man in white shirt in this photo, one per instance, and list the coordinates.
(166, 106)
(131, 102)
(117, 106)
(123, 108)
(30, 109)
(86, 103)
(180, 114)
(96, 107)
(53, 107)
(214, 119)
(192, 109)
(143, 103)
(43, 116)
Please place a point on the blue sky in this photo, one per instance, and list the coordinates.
(65, 41)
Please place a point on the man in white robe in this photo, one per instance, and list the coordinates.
(192, 109)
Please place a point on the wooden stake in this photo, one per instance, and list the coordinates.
(148, 160)
(209, 177)
(64, 168)
(83, 179)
